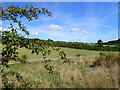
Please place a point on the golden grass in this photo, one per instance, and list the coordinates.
(100, 77)
(76, 75)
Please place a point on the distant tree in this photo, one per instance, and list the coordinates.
(50, 40)
(100, 43)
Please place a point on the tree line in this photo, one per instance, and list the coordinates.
(114, 42)
(99, 46)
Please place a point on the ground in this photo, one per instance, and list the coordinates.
(78, 74)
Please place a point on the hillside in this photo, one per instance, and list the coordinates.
(80, 45)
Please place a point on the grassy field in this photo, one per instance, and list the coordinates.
(76, 75)
(69, 51)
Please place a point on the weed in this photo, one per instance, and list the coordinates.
(23, 59)
(78, 55)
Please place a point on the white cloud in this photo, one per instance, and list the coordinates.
(75, 29)
(34, 33)
(102, 25)
(81, 32)
(54, 27)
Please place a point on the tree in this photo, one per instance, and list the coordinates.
(12, 40)
(100, 43)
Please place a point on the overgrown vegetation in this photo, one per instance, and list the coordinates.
(76, 75)
(64, 73)
(23, 59)
(106, 59)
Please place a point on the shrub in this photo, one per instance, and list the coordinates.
(107, 60)
(102, 53)
(23, 58)
(78, 55)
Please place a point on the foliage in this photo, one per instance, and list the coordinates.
(63, 55)
(49, 68)
(20, 81)
(100, 43)
(86, 46)
(102, 53)
(79, 45)
(23, 58)
(108, 60)
(12, 40)
(114, 42)
(78, 55)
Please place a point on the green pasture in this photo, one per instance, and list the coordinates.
(54, 54)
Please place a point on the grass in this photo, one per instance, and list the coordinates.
(69, 51)
(104, 45)
(76, 75)
(110, 45)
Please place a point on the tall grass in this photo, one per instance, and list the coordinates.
(106, 59)
(101, 77)
(78, 74)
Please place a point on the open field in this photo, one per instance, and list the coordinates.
(54, 54)
(69, 51)
(82, 39)
(78, 74)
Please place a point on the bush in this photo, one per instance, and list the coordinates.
(102, 53)
(23, 58)
(108, 60)
(78, 55)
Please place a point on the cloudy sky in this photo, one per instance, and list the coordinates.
(74, 21)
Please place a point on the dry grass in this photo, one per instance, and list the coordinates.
(76, 75)
(100, 77)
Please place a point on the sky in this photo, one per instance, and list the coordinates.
(73, 21)
(60, 0)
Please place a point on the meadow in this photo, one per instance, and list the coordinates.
(78, 74)
(54, 54)
(76, 64)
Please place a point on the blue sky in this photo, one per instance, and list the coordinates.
(74, 21)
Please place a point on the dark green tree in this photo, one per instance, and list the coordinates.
(100, 43)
